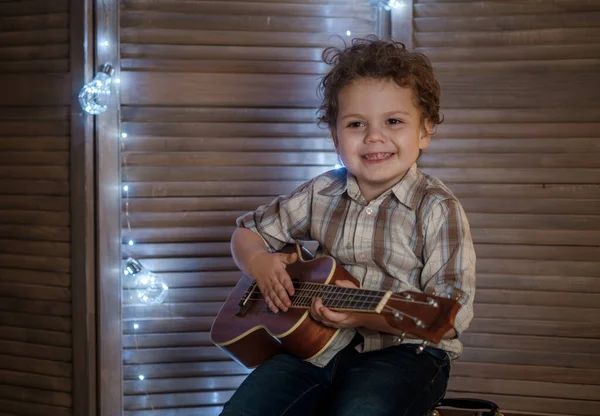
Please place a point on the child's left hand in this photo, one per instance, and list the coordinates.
(333, 319)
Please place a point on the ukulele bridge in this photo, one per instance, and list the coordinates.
(244, 303)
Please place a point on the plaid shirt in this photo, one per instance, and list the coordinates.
(413, 237)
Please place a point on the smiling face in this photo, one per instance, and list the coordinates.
(379, 133)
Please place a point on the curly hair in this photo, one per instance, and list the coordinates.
(378, 59)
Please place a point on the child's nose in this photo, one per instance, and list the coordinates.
(374, 134)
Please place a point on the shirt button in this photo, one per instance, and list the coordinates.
(369, 211)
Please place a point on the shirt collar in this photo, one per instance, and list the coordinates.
(407, 191)
(410, 188)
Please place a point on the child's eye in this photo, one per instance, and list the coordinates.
(394, 121)
(355, 124)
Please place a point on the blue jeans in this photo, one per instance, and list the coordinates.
(395, 381)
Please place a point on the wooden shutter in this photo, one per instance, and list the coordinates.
(218, 104)
(520, 147)
(35, 279)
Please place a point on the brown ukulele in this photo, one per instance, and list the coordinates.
(250, 332)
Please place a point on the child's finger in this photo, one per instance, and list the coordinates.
(333, 317)
(315, 309)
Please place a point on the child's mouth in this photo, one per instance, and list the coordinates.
(377, 157)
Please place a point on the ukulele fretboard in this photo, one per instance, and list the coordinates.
(335, 297)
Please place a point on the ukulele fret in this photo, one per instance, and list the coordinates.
(336, 297)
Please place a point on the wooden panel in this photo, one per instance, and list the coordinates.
(504, 149)
(42, 382)
(21, 89)
(107, 250)
(217, 89)
(219, 110)
(36, 354)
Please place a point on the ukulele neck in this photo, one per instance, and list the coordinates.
(339, 298)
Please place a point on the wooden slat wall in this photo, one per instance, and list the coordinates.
(218, 103)
(521, 148)
(35, 280)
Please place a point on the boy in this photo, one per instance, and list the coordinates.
(391, 226)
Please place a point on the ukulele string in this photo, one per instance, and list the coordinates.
(257, 296)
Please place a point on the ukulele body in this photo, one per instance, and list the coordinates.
(252, 333)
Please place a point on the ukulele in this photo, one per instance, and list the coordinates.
(250, 333)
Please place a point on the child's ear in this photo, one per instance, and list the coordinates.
(425, 134)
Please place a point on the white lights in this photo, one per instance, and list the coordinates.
(131, 242)
(150, 288)
(95, 95)
(338, 166)
(124, 135)
(136, 326)
(104, 43)
(348, 33)
(141, 377)
(126, 188)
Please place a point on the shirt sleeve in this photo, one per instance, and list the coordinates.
(449, 258)
(285, 220)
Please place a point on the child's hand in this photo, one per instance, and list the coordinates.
(268, 269)
(333, 319)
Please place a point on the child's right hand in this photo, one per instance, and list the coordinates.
(268, 269)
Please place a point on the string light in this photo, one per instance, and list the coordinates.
(150, 288)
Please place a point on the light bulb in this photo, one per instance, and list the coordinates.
(126, 188)
(124, 135)
(136, 326)
(348, 33)
(131, 242)
(150, 288)
(141, 377)
(95, 95)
